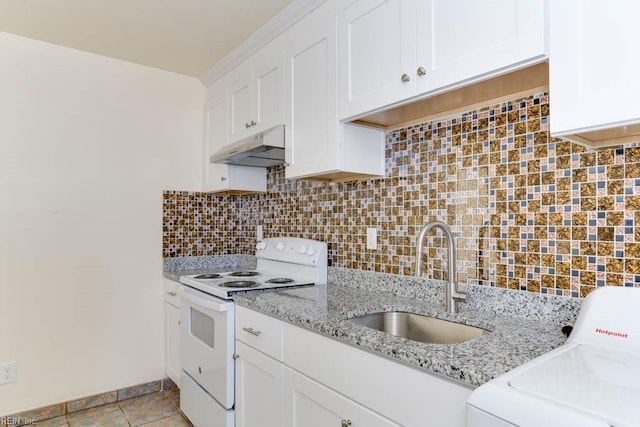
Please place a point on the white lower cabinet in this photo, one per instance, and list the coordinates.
(172, 331)
(258, 388)
(310, 404)
(308, 380)
(406, 395)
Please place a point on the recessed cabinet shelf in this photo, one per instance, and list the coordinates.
(606, 137)
(532, 79)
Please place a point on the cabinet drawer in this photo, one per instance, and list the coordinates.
(261, 332)
(171, 292)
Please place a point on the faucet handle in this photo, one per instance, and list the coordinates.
(458, 295)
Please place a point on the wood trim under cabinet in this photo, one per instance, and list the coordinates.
(605, 138)
(341, 177)
(232, 192)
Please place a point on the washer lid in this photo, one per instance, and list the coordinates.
(593, 379)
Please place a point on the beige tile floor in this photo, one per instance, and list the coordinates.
(159, 409)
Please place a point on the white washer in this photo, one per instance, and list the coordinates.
(591, 380)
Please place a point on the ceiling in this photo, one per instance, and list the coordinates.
(183, 36)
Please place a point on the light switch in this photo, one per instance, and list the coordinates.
(372, 238)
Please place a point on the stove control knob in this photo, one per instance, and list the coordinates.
(302, 250)
(280, 246)
(311, 251)
(261, 245)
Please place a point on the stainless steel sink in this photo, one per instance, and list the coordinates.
(419, 328)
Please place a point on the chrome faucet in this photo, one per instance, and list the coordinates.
(452, 295)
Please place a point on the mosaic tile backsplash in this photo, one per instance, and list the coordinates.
(529, 212)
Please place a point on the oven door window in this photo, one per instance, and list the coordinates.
(202, 327)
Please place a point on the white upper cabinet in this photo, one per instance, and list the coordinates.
(310, 142)
(593, 70)
(317, 144)
(268, 87)
(392, 51)
(377, 48)
(256, 97)
(240, 105)
(221, 177)
(460, 40)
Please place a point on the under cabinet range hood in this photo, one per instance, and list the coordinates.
(262, 150)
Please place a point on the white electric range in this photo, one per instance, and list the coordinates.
(207, 315)
(593, 380)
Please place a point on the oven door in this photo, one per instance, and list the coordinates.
(207, 343)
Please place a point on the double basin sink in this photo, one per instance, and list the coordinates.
(419, 328)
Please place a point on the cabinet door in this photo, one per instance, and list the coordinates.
(377, 47)
(308, 403)
(241, 123)
(220, 177)
(216, 136)
(312, 119)
(462, 40)
(268, 87)
(172, 342)
(258, 388)
(593, 74)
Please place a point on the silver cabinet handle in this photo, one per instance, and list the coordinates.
(405, 78)
(345, 423)
(236, 356)
(173, 294)
(222, 178)
(421, 71)
(246, 126)
(253, 123)
(252, 331)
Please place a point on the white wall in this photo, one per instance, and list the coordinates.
(87, 144)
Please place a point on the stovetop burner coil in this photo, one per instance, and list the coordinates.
(208, 276)
(280, 280)
(244, 273)
(240, 284)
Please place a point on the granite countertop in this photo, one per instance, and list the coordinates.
(511, 342)
(175, 267)
(522, 325)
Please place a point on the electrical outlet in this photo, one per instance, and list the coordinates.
(372, 238)
(259, 235)
(7, 373)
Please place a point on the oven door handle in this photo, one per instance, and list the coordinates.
(202, 299)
